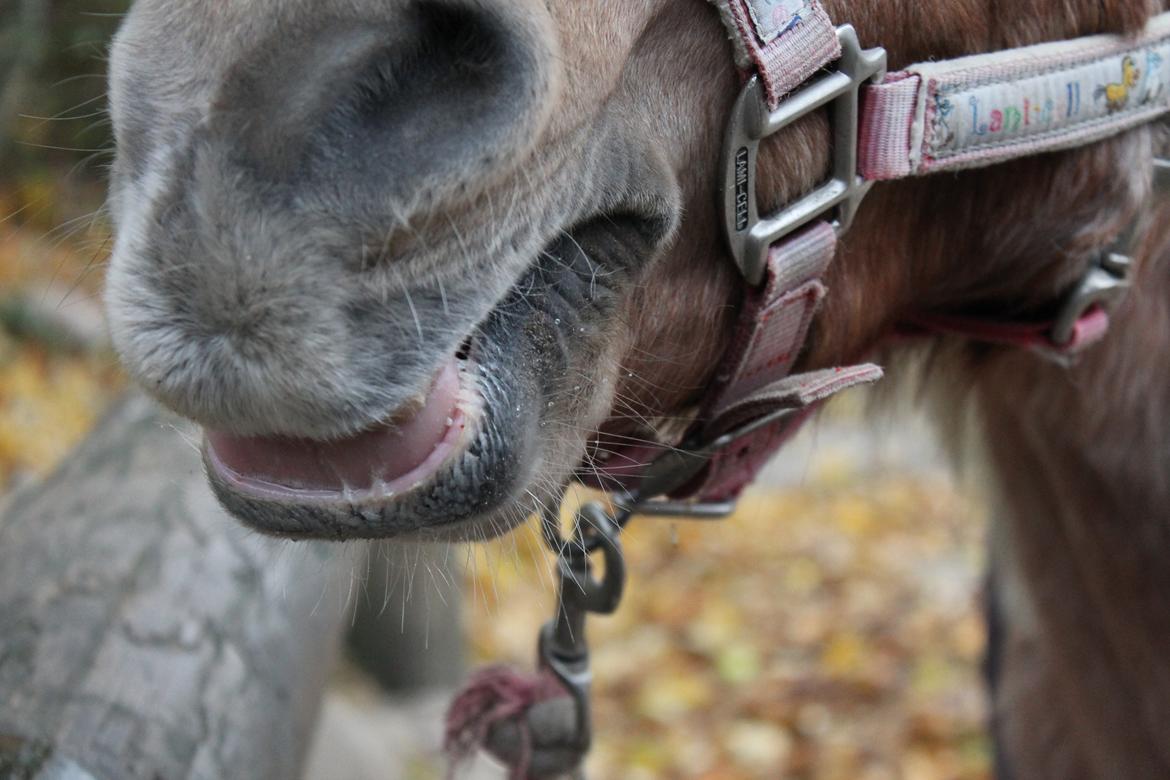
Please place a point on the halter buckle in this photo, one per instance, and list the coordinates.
(749, 236)
(1103, 285)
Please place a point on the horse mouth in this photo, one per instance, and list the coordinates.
(497, 436)
(424, 472)
(449, 466)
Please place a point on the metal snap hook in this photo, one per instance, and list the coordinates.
(563, 648)
(1103, 285)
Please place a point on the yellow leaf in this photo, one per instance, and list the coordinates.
(738, 664)
(845, 655)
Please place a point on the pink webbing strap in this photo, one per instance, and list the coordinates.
(1089, 329)
(785, 41)
(775, 317)
(990, 108)
(887, 124)
(734, 468)
(754, 379)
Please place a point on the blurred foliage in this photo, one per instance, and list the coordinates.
(22, 28)
(56, 52)
(56, 373)
(54, 132)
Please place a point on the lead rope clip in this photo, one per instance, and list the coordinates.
(520, 719)
(563, 648)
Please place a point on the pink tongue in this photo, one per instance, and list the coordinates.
(388, 452)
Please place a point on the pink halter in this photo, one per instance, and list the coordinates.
(936, 116)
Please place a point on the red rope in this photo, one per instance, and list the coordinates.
(493, 695)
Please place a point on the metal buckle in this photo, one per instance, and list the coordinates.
(749, 236)
(1104, 284)
(563, 647)
(678, 466)
(1107, 281)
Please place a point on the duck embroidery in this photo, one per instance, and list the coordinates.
(1117, 95)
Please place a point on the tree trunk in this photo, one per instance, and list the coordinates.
(143, 633)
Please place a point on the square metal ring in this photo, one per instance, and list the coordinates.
(749, 236)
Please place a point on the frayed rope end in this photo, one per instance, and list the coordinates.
(494, 695)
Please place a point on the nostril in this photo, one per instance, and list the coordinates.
(470, 41)
(454, 98)
(450, 48)
(433, 88)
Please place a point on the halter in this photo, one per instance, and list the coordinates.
(931, 117)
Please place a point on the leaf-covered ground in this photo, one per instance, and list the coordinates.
(828, 630)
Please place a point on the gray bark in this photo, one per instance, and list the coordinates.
(143, 633)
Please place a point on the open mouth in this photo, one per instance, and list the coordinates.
(442, 467)
(375, 465)
(496, 435)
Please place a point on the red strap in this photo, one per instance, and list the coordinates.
(754, 380)
(786, 41)
(775, 317)
(1090, 328)
(734, 468)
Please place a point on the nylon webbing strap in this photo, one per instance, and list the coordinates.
(754, 380)
(1087, 330)
(775, 318)
(935, 116)
(989, 108)
(971, 111)
(734, 468)
(785, 41)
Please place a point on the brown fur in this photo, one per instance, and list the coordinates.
(1079, 459)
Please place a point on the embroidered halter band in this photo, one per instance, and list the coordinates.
(936, 116)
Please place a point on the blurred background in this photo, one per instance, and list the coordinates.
(830, 630)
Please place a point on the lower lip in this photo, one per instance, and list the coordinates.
(381, 492)
(454, 439)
